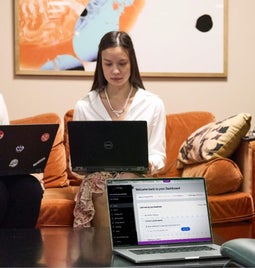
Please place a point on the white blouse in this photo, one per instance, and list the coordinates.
(145, 106)
(4, 118)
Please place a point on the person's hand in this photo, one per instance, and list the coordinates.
(128, 175)
(153, 169)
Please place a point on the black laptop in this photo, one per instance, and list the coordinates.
(25, 149)
(120, 146)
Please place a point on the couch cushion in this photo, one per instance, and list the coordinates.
(74, 178)
(57, 207)
(231, 207)
(218, 139)
(222, 175)
(55, 172)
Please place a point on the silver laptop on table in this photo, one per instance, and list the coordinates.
(25, 149)
(120, 146)
(157, 220)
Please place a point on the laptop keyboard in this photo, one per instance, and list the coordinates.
(170, 250)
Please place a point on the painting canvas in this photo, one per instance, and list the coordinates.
(171, 37)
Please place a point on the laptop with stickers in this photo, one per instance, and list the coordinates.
(25, 149)
(114, 146)
(157, 220)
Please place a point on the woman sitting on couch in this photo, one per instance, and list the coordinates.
(118, 93)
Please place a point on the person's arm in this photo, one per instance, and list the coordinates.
(78, 111)
(4, 118)
(157, 140)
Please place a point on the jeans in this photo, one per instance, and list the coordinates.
(20, 201)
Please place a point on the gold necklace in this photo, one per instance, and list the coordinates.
(118, 112)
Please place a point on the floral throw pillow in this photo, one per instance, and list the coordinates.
(217, 139)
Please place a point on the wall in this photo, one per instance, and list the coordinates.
(27, 96)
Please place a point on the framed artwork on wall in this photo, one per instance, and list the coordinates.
(172, 38)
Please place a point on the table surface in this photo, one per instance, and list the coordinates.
(68, 247)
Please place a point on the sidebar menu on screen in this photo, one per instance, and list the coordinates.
(122, 215)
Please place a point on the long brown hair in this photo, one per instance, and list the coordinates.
(115, 39)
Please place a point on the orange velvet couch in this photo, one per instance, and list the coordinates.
(231, 212)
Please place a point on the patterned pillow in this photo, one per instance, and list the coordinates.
(217, 139)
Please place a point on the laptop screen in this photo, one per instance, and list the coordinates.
(158, 211)
(120, 146)
(25, 148)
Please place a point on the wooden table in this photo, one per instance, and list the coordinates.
(67, 247)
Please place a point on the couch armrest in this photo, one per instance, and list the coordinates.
(245, 159)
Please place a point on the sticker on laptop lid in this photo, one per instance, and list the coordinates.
(20, 148)
(1, 134)
(45, 137)
(39, 161)
(14, 163)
